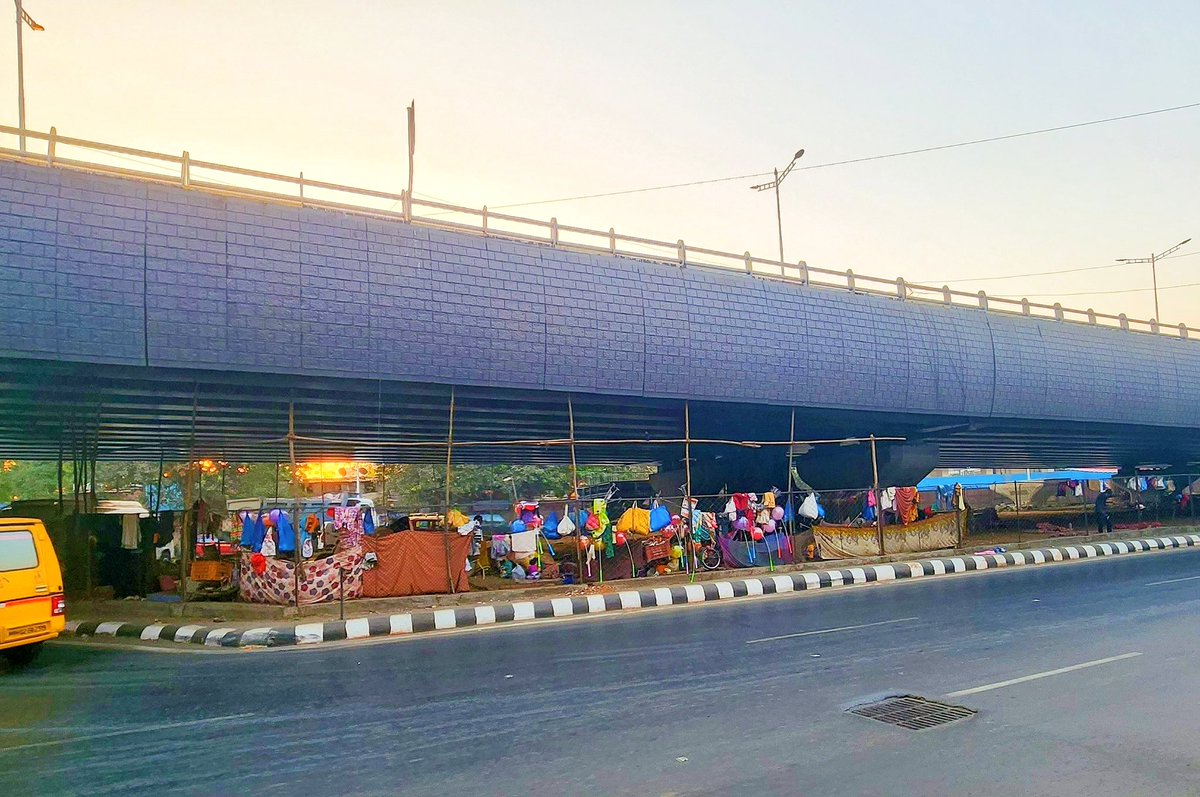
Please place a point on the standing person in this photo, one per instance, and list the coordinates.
(1103, 521)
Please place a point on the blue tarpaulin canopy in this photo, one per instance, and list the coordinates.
(992, 479)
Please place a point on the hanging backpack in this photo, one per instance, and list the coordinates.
(660, 518)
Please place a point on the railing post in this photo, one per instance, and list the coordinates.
(983, 303)
(850, 279)
(484, 216)
(185, 170)
(406, 204)
(901, 288)
(803, 271)
(612, 240)
(946, 297)
(1058, 311)
(1183, 333)
(1124, 321)
(749, 263)
(1024, 307)
(554, 231)
(1154, 325)
(301, 189)
(50, 145)
(1091, 316)
(681, 252)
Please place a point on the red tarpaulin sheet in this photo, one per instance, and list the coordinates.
(414, 563)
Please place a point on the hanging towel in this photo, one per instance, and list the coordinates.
(130, 539)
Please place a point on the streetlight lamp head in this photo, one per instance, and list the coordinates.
(799, 155)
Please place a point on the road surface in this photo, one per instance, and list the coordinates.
(1082, 674)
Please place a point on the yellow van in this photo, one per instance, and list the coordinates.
(32, 608)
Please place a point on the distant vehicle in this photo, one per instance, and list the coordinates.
(32, 606)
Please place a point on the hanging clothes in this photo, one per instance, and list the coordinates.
(130, 538)
(348, 522)
(768, 500)
(906, 504)
(741, 502)
(887, 499)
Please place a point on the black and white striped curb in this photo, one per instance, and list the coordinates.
(519, 611)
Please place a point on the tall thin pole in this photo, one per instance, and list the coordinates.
(1154, 280)
(60, 473)
(446, 513)
(297, 574)
(189, 517)
(574, 491)
(778, 215)
(792, 509)
(20, 74)
(412, 149)
(687, 484)
(875, 487)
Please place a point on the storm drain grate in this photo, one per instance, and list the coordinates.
(912, 712)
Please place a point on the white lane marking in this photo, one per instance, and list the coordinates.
(1038, 675)
(829, 630)
(144, 729)
(1172, 581)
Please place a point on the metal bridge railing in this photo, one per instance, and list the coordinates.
(187, 172)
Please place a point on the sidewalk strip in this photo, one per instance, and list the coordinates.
(419, 622)
(1039, 675)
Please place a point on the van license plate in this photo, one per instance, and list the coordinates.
(28, 630)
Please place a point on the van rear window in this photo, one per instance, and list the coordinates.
(17, 551)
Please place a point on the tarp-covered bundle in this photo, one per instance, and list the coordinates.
(850, 542)
(319, 579)
(414, 563)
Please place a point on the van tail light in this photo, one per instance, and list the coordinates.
(58, 605)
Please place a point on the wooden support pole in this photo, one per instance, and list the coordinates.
(687, 486)
(446, 512)
(297, 573)
(189, 517)
(875, 488)
(791, 523)
(574, 496)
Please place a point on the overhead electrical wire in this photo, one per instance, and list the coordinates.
(1099, 293)
(1051, 273)
(865, 159)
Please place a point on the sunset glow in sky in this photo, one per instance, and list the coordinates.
(522, 102)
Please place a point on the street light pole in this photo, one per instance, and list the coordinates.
(779, 178)
(23, 19)
(1153, 261)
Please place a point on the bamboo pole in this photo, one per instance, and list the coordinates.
(566, 441)
(297, 552)
(188, 515)
(875, 488)
(575, 493)
(791, 523)
(687, 486)
(446, 512)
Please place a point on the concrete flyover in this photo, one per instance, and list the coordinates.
(127, 304)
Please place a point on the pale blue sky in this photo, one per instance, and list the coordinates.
(535, 100)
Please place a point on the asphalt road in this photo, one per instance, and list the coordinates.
(614, 705)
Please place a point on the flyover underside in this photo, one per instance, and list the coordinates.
(140, 413)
